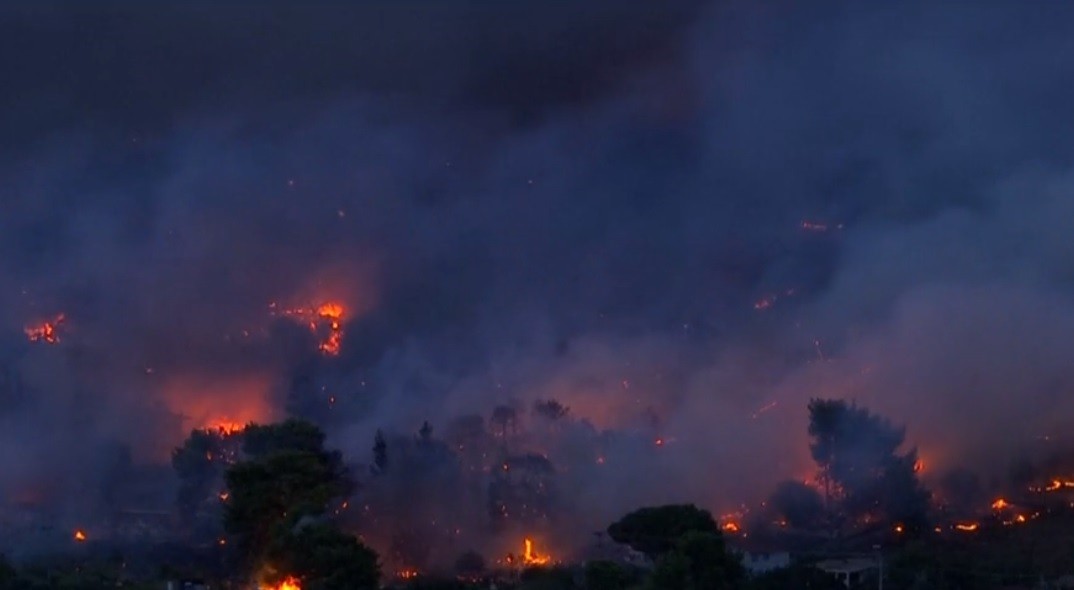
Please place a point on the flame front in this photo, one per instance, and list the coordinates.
(289, 583)
(80, 536)
(47, 331)
(532, 557)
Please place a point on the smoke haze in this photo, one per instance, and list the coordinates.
(682, 222)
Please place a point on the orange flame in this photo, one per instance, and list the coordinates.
(80, 536)
(325, 317)
(1000, 504)
(289, 583)
(966, 526)
(47, 331)
(531, 556)
(226, 427)
(730, 527)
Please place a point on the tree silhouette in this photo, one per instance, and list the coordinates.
(864, 475)
(380, 453)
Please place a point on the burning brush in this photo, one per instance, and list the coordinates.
(47, 331)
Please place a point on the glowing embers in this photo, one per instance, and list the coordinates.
(407, 574)
(79, 536)
(325, 321)
(966, 527)
(1054, 485)
(47, 331)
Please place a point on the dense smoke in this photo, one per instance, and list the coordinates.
(682, 222)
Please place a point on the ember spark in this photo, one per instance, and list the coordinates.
(47, 332)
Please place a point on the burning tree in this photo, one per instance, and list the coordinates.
(864, 476)
(200, 464)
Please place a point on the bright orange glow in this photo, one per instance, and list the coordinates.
(1000, 504)
(222, 404)
(730, 527)
(532, 557)
(226, 427)
(966, 526)
(324, 320)
(47, 331)
(289, 583)
(80, 536)
(898, 528)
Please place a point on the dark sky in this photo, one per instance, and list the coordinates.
(534, 199)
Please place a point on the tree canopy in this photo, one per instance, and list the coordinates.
(657, 530)
(324, 558)
(286, 480)
(863, 472)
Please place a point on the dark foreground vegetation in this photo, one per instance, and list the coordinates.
(276, 529)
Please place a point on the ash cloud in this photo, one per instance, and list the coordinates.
(530, 203)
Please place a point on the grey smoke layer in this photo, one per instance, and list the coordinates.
(539, 202)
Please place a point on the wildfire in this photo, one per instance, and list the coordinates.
(80, 536)
(968, 527)
(730, 527)
(532, 557)
(1000, 504)
(1055, 485)
(288, 583)
(226, 427)
(47, 332)
(326, 319)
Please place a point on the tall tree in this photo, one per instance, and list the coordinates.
(865, 477)
(287, 476)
